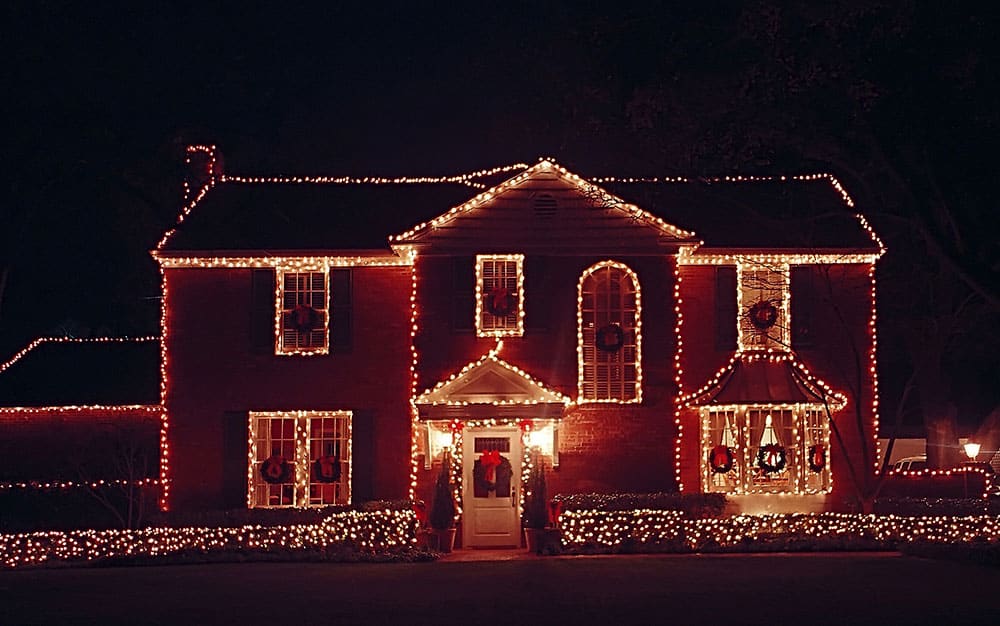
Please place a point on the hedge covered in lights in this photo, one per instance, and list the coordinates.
(362, 531)
(649, 529)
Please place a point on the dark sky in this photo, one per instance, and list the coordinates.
(102, 98)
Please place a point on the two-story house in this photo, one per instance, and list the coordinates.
(327, 340)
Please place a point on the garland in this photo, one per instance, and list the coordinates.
(500, 302)
(610, 338)
(817, 457)
(763, 315)
(771, 458)
(720, 458)
(326, 469)
(303, 318)
(276, 470)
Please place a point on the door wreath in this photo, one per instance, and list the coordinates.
(610, 338)
(275, 470)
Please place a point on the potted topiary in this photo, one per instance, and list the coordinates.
(441, 536)
(541, 532)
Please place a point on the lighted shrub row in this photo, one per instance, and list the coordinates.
(651, 528)
(691, 504)
(367, 531)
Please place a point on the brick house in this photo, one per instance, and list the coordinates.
(327, 341)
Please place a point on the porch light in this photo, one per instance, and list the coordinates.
(971, 450)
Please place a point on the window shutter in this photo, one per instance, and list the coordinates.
(235, 439)
(536, 283)
(463, 290)
(262, 311)
(803, 295)
(341, 309)
(725, 308)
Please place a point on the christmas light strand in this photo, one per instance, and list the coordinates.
(43, 340)
(54, 485)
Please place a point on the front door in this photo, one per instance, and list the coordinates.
(491, 476)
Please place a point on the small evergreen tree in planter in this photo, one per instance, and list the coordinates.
(443, 509)
(540, 532)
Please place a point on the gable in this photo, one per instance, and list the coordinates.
(494, 386)
(546, 208)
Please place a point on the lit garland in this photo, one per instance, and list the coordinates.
(638, 333)
(164, 389)
(364, 530)
(678, 375)
(283, 263)
(518, 330)
(645, 526)
(587, 188)
(53, 485)
(464, 179)
(873, 370)
(191, 203)
(414, 382)
(88, 410)
(20, 354)
(948, 473)
(544, 394)
(301, 460)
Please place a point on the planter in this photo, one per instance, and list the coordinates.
(543, 540)
(440, 540)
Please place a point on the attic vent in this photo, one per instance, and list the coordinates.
(545, 205)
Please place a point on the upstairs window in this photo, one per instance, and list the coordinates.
(608, 334)
(499, 295)
(763, 306)
(302, 316)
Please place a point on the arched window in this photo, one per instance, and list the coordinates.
(609, 341)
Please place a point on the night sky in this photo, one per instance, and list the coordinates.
(901, 103)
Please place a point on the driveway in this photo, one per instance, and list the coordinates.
(701, 589)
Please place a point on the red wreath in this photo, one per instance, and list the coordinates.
(275, 470)
(720, 458)
(763, 315)
(610, 338)
(490, 461)
(326, 469)
(500, 302)
(771, 458)
(817, 457)
(303, 318)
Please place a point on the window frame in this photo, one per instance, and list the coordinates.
(586, 337)
(798, 428)
(750, 337)
(301, 491)
(280, 347)
(512, 327)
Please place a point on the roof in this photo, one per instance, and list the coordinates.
(82, 372)
(322, 213)
(760, 379)
(802, 212)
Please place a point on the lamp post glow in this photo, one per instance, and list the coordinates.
(972, 450)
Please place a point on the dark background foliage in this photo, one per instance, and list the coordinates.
(899, 100)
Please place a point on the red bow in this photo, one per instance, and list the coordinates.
(490, 459)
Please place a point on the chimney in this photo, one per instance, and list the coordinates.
(204, 167)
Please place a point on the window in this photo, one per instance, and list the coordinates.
(762, 449)
(608, 334)
(299, 458)
(763, 306)
(302, 313)
(499, 295)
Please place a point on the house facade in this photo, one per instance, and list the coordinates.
(329, 340)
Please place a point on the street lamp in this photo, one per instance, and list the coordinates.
(971, 450)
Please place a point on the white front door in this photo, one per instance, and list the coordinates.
(491, 479)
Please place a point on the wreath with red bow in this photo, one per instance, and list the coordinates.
(610, 338)
(326, 469)
(500, 302)
(303, 318)
(763, 315)
(275, 470)
(771, 458)
(720, 458)
(817, 457)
